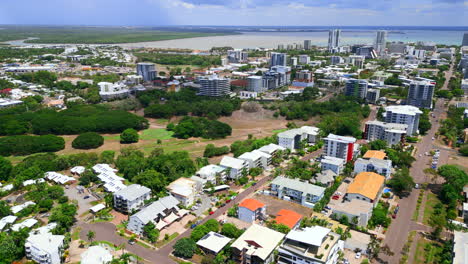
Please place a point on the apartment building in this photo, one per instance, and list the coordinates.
(367, 186)
(44, 248)
(404, 114)
(147, 71)
(212, 173)
(131, 198)
(297, 191)
(254, 159)
(392, 133)
(254, 84)
(234, 166)
(317, 245)
(420, 94)
(356, 88)
(214, 86)
(340, 147)
(185, 190)
(271, 149)
(374, 161)
(250, 210)
(332, 163)
(291, 139)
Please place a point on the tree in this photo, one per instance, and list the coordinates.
(378, 144)
(151, 179)
(185, 248)
(4, 209)
(109, 199)
(88, 140)
(199, 232)
(150, 231)
(5, 169)
(129, 135)
(401, 182)
(463, 150)
(107, 156)
(212, 225)
(231, 230)
(90, 235)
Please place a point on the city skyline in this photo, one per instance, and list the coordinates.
(245, 12)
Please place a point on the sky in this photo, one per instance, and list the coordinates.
(236, 12)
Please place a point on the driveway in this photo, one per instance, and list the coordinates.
(83, 204)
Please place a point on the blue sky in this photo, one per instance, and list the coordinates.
(236, 12)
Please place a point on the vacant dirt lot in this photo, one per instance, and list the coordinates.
(274, 205)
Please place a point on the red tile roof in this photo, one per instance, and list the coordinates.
(251, 204)
(288, 218)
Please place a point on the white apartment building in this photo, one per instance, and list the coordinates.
(297, 191)
(265, 158)
(271, 149)
(253, 159)
(211, 172)
(184, 190)
(304, 59)
(214, 86)
(311, 245)
(234, 166)
(332, 163)
(392, 133)
(340, 147)
(380, 166)
(44, 248)
(404, 114)
(291, 139)
(109, 91)
(162, 213)
(420, 94)
(131, 198)
(96, 255)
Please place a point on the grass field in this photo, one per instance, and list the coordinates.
(155, 134)
(93, 35)
(431, 200)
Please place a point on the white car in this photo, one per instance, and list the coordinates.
(358, 255)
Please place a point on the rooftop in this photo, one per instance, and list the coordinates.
(377, 154)
(460, 248)
(367, 184)
(45, 242)
(288, 218)
(231, 162)
(403, 109)
(151, 212)
(296, 184)
(270, 148)
(96, 255)
(133, 192)
(332, 160)
(213, 241)
(251, 204)
(341, 139)
(258, 241)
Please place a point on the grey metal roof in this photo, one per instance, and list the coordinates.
(133, 191)
(156, 208)
(295, 184)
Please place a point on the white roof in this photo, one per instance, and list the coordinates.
(213, 241)
(101, 168)
(133, 192)
(258, 240)
(7, 187)
(210, 169)
(96, 255)
(296, 184)
(460, 248)
(261, 153)
(183, 186)
(78, 169)
(341, 139)
(44, 229)
(332, 160)
(250, 156)
(157, 208)
(10, 219)
(309, 235)
(232, 162)
(45, 242)
(270, 148)
(403, 109)
(97, 208)
(57, 177)
(18, 208)
(114, 186)
(28, 223)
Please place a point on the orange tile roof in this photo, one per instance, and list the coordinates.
(288, 218)
(367, 184)
(376, 154)
(251, 204)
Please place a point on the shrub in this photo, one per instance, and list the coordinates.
(129, 135)
(88, 140)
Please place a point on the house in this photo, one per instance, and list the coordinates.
(326, 177)
(460, 247)
(96, 255)
(97, 208)
(367, 186)
(77, 170)
(212, 243)
(28, 223)
(340, 147)
(380, 166)
(292, 139)
(18, 208)
(271, 149)
(250, 210)
(184, 190)
(234, 166)
(288, 218)
(256, 245)
(332, 163)
(44, 248)
(318, 245)
(58, 178)
(7, 220)
(254, 160)
(297, 191)
(212, 173)
(131, 198)
(162, 213)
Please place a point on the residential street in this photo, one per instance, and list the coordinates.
(398, 231)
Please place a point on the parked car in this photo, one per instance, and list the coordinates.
(193, 226)
(211, 212)
(335, 197)
(131, 242)
(358, 255)
(327, 207)
(228, 200)
(86, 197)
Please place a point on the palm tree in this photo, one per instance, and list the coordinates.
(90, 235)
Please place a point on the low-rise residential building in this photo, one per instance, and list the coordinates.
(162, 213)
(28, 223)
(44, 248)
(265, 158)
(340, 147)
(325, 177)
(297, 191)
(256, 245)
(291, 139)
(380, 166)
(112, 182)
(212, 173)
(254, 160)
(234, 166)
(332, 163)
(110, 91)
(357, 211)
(271, 149)
(212, 243)
(317, 245)
(184, 190)
(250, 210)
(58, 178)
(7, 220)
(367, 186)
(96, 255)
(391, 133)
(18, 208)
(288, 218)
(131, 198)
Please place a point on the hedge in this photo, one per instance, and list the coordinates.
(26, 145)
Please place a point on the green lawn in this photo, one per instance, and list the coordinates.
(163, 242)
(112, 137)
(279, 130)
(155, 134)
(431, 200)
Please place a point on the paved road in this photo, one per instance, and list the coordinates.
(401, 226)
